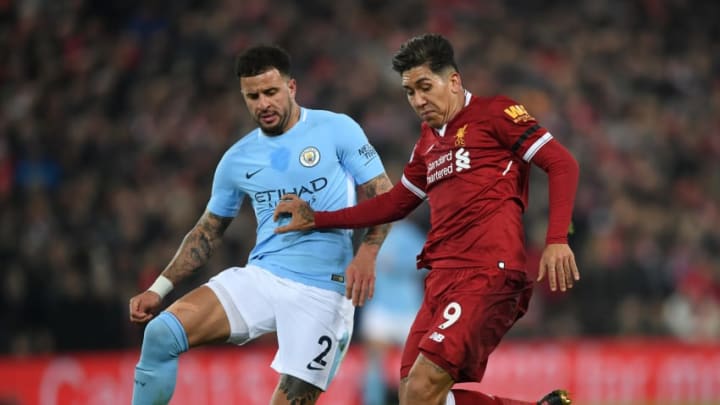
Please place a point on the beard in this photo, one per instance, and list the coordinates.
(273, 130)
(284, 117)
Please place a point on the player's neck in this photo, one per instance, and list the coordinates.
(294, 117)
(458, 103)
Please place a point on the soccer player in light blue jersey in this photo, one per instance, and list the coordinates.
(302, 285)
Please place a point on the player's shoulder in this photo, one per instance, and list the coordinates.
(505, 106)
(491, 104)
(243, 142)
(247, 139)
(328, 117)
(501, 107)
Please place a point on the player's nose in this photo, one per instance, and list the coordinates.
(417, 100)
(263, 103)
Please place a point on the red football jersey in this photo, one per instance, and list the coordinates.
(475, 176)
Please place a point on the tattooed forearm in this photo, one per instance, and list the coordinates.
(297, 391)
(381, 184)
(378, 185)
(307, 214)
(376, 235)
(202, 252)
(197, 247)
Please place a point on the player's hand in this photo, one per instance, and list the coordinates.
(360, 278)
(302, 216)
(558, 262)
(144, 306)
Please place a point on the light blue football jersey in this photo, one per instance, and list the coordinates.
(321, 159)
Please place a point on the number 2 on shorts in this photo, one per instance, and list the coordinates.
(451, 314)
(320, 359)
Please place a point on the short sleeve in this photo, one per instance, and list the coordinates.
(516, 128)
(225, 198)
(355, 152)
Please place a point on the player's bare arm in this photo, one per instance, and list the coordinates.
(302, 217)
(381, 184)
(360, 274)
(194, 252)
(197, 247)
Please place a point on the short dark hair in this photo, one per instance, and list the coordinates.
(259, 59)
(431, 49)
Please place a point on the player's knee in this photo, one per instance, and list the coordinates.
(421, 387)
(164, 336)
(296, 390)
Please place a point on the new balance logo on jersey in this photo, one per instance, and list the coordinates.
(438, 337)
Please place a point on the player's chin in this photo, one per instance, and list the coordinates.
(432, 120)
(272, 129)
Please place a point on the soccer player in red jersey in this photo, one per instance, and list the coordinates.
(472, 164)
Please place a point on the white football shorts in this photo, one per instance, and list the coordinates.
(313, 325)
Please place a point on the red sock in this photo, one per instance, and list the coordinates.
(467, 397)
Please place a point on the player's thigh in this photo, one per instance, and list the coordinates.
(472, 319)
(292, 390)
(314, 327)
(202, 316)
(232, 306)
(248, 295)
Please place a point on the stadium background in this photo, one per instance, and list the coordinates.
(114, 113)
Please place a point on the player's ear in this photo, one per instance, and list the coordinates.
(455, 82)
(292, 86)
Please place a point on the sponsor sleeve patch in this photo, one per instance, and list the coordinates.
(518, 114)
(367, 151)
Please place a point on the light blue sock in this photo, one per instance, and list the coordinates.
(156, 372)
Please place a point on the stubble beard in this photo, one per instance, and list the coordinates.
(276, 129)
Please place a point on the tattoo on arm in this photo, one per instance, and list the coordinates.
(297, 391)
(381, 184)
(197, 246)
(306, 213)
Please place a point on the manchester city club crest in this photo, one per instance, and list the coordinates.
(310, 156)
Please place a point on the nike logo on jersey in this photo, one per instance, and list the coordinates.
(310, 366)
(250, 174)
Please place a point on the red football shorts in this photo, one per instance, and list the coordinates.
(463, 317)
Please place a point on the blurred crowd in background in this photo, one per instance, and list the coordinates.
(113, 115)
